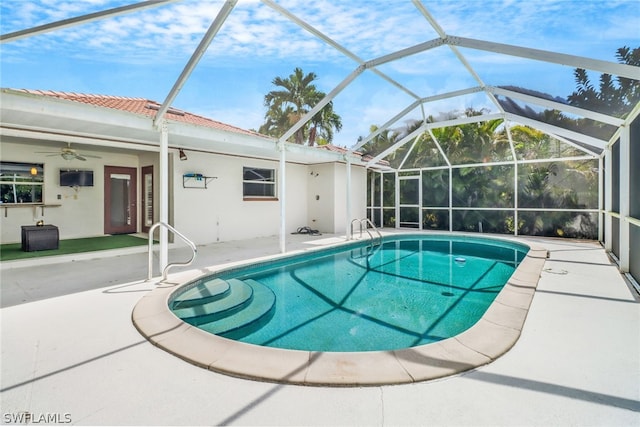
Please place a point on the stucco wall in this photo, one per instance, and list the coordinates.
(328, 196)
(321, 203)
(316, 197)
(80, 212)
(217, 213)
(357, 196)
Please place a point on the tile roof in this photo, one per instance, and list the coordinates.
(149, 108)
(140, 106)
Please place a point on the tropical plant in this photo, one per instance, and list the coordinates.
(564, 185)
(421, 151)
(552, 191)
(296, 96)
(323, 124)
(473, 142)
(380, 142)
(614, 96)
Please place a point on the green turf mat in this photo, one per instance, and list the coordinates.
(13, 251)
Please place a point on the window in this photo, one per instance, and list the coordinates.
(258, 183)
(21, 182)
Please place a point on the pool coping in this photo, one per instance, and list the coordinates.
(491, 337)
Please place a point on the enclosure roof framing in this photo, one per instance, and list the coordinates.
(593, 115)
(83, 19)
(622, 70)
(558, 131)
(454, 43)
(215, 26)
(303, 24)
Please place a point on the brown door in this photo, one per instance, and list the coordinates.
(120, 212)
(147, 198)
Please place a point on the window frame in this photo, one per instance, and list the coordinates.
(22, 180)
(269, 182)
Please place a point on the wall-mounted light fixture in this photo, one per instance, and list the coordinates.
(183, 156)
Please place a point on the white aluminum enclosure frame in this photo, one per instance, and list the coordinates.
(599, 148)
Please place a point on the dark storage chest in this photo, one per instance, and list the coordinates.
(39, 237)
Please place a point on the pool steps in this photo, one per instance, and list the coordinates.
(239, 297)
(238, 308)
(214, 290)
(251, 318)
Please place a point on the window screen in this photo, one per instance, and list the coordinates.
(257, 182)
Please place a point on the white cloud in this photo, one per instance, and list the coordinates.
(369, 29)
(257, 37)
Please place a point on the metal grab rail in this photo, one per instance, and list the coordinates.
(366, 222)
(358, 221)
(192, 245)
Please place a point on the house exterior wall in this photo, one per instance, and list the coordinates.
(204, 215)
(358, 196)
(321, 203)
(77, 212)
(219, 213)
(328, 196)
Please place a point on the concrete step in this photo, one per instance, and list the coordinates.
(249, 319)
(203, 293)
(239, 296)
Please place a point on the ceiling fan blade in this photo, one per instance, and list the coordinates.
(79, 157)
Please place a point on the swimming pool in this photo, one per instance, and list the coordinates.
(405, 292)
(492, 335)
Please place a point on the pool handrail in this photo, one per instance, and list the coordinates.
(365, 223)
(165, 271)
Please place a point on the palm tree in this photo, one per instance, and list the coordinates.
(296, 97)
(323, 124)
(472, 187)
(613, 96)
(380, 142)
(278, 121)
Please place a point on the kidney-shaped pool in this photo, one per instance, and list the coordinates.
(404, 294)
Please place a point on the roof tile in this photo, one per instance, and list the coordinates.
(141, 106)
(149, 108)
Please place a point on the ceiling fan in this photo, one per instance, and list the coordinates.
(68, 153)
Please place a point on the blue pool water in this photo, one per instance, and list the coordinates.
(409, 291)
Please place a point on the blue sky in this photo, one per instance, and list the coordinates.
(141, 54)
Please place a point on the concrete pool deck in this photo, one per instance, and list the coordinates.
(78, 357)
